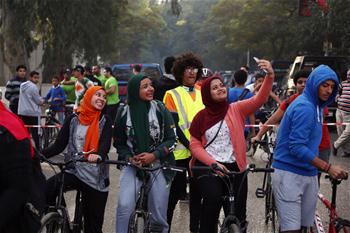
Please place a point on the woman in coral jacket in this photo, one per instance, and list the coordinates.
(215, 124)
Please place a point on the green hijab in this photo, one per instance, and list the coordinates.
(139, 114)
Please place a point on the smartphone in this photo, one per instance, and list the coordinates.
(257, 60)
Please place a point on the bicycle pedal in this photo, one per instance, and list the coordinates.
(260, 193)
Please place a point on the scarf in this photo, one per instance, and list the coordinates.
(211, 114)
(138, 114)
(14, 125)
(88, 115)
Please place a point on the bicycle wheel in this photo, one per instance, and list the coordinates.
(232, 228)
(137, 224)
(268, 199)
(274, 219)
(52, 223)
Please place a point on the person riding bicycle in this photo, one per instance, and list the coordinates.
(58, 97)
(294, 182)
(210, 129)
(88, 130)
(145, 136)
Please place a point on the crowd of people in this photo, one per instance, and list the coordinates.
(185, 119)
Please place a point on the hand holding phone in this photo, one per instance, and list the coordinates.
(257, 61)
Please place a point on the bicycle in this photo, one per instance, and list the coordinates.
(230, 223)
(57, 218)
(336, 224)
(139, 221)
(50, 130)
(266, 190)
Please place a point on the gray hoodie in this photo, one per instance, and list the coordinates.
(29, 100)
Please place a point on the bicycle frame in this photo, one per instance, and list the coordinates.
(331, 207)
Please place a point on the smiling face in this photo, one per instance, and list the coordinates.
(98, 100)
(146, 90)
(218, 90)
(325, 90)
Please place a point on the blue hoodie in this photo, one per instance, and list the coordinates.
(300, 131)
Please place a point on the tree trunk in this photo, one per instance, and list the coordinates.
(14, 47)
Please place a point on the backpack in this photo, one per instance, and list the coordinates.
(243, 94)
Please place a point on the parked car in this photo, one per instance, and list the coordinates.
(339, 64)
(227, 76)
(123, 73)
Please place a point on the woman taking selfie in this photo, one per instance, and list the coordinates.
(210, 130)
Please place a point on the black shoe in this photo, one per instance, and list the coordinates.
(346, 155)
(334, 150)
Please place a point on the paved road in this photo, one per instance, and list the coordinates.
(255, 206)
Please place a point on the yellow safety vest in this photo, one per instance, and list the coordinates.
(186, 109)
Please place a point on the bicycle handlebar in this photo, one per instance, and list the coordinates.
(250, 168)
(65, 163)
(264, 143)
(335, 181)
(148, 169)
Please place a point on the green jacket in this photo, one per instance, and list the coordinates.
(164, 146)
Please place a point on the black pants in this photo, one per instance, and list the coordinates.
(30, 120)
(178, 187)
(212, 189)
(93, 201)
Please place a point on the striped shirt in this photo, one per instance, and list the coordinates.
(343, 99)
(12, 90)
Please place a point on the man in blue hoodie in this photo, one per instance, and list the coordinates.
(296, 159)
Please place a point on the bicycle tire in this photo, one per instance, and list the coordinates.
(231, 228)
(274, 218)
(137, 224)
(51, 136)
(234, 228)
(78, 221)
(52, 222)
(267, 203)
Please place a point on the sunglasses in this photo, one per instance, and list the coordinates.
(190, 70)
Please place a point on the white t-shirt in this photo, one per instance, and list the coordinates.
(221, 148)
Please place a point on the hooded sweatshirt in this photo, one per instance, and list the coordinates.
(301, 128)
(29, 100)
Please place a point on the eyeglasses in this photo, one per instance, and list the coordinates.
(190, 70)
(301, 82)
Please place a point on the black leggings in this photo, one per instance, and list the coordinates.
(212, 189)
(93, 201)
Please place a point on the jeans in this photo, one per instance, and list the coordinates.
(157, 199)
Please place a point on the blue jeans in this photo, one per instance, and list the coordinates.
(157, 199)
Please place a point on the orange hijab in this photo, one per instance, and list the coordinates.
(88, 115)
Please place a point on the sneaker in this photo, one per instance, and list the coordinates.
(334, 150)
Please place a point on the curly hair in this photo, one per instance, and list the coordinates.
(184, 61)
